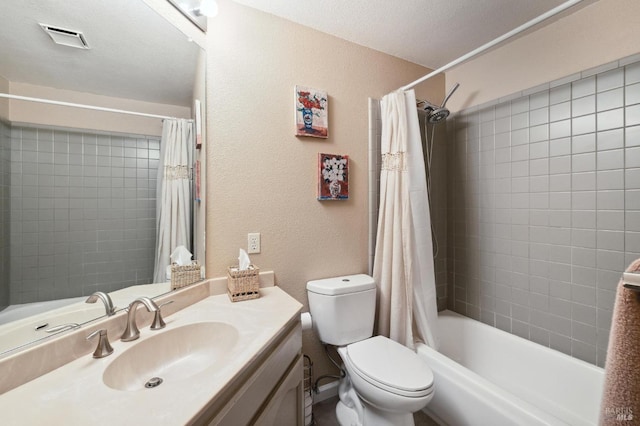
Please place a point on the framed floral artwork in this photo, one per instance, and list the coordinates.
(311, 112)
(333, 177)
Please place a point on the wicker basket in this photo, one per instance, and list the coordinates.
(243, 285)
(182, 276)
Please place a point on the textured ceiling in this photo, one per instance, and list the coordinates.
(134, 53)
(431, 33)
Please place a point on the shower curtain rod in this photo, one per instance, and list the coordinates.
(91, 107)
(492, 43)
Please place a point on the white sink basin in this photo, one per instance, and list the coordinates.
(172, 355)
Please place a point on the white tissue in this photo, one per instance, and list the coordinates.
(243, 261)
(305, 320)
(181, 256)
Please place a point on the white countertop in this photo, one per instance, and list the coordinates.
(75, 393)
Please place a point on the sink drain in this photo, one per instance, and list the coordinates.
(153, 382)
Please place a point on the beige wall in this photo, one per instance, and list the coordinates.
(52, 115)
(261, 177)
(599, 33)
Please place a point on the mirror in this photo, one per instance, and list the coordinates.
(77, 193)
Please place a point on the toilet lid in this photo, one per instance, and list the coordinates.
(381, 360)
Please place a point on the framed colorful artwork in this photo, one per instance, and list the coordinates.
(311, 112)
(333, 177)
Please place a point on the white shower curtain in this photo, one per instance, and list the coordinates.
(173, 200)
(403, 266)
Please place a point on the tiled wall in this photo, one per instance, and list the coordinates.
(438, 198)
(5, 181)
(437, 137)
(544, 208)
(82, 212)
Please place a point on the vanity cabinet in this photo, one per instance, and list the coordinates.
(254, 377)
(270, 390)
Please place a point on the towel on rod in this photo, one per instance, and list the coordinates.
(621, 393)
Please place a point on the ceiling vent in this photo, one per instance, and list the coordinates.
(66, 37)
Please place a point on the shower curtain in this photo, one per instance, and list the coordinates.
(403, 265)
(173, 199)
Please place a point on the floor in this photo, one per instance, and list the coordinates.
(324, 414)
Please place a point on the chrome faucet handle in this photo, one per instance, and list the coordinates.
(106, 299)
(158, 323)
(131, 332)
(104, 347)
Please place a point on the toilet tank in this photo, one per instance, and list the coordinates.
(342, 308)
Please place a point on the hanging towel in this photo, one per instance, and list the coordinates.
(621, 393)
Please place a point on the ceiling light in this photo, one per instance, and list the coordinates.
(66, 37)
(207, 8)
(197, 11)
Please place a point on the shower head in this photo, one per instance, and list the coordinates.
(436, 114)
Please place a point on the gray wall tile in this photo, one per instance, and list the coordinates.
(632, 94)
(583, 106)
(567, 179)
(73, 192)
(611, 99)
(632, 115)
(610, 119)
(583, 87)
(610, 79)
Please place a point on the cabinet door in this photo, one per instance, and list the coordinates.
(253, 394)
(286, 405)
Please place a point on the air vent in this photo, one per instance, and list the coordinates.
(66, 37)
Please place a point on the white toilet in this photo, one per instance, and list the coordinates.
(385, 382)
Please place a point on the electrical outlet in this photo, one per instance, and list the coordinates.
(253, 242)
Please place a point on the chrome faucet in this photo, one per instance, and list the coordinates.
(108, 304)
(132, 332)
(158, 322)
(104, 348)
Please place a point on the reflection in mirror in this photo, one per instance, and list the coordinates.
(197, 11)
(77, 186)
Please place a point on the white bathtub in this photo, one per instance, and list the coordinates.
(485, 376)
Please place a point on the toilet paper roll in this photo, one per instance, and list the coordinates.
(305, 319)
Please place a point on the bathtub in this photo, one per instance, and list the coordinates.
(25, 310)
(485, 376)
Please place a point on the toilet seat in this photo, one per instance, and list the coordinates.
(390, 366)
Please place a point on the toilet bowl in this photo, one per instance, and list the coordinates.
(384, 383)
(392, 380)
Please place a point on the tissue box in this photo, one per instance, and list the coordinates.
(182, 276)
(243, 285)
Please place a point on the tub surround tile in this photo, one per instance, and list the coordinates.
(566, 177)
(91, 175)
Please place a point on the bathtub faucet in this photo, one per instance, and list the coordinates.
(108, 304)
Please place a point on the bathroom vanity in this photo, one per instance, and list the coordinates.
(215, 362)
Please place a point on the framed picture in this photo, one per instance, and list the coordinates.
(311, 112)
(333, 177)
